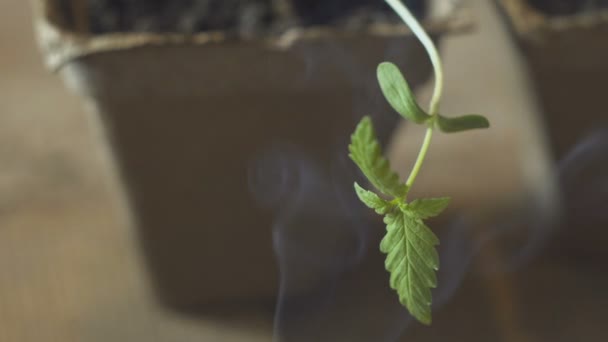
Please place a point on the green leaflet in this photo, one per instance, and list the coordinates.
(366, 153)
(412, 260)
(373, 201)
(429, 207)
(461, 123)
(398, 93)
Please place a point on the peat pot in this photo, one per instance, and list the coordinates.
(565, 44)
(186, 115)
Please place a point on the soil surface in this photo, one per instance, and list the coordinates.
(567, 7)
(241, 16)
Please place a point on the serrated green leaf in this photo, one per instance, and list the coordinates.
(412, 260)
(429, 207)
(462, 123)
(366, 153)
(373, 201)
(398, 93)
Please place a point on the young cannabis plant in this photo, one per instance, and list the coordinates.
(409, 245)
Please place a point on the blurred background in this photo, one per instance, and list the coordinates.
(178, 170)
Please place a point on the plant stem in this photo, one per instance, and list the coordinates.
(421, 155)
(411, 21)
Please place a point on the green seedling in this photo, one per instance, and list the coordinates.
(409, 244)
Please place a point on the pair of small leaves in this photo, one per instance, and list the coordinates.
(398, 93)
(409, 244)
(424, 208)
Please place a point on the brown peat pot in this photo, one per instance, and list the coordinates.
(186, 114)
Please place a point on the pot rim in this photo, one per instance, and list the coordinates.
(528, 21)
(60, 46)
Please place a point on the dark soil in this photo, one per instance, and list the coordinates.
(567, 7)
(240, 16)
